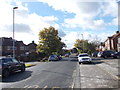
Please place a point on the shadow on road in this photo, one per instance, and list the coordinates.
(17, 76)
(74, 60)
(100, 58)
(97, 62)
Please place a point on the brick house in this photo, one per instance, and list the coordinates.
(118, 45)
(32, 47)
(21, 49)
(101, 47)
(113, 42)
(6, 45)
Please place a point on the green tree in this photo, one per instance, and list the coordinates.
(49, 41)
(79, 44)
(89, 47)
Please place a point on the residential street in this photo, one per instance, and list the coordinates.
(66, 73)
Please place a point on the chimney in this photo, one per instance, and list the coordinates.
(117, 32)
(32, 41)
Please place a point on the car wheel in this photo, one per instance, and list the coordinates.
(79, 62)
(23, 68)
(90, 62)
(114, 57)
(105, 57)
(5, 73)
(118, 57)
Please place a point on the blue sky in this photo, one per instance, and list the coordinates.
(96, 20)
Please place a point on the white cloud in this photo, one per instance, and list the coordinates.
(114, 22)
(71, 37)
(27, 25)
(110, 8)
(85, 12)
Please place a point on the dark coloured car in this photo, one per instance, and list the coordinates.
(106, 54)
(59, 57)
(116, 55)
(10, 65)
(95, 54)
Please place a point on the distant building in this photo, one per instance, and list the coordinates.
(32, 47)
(21, 49)
(113, 42)
(6, 46)
(101, 47)
(118, 45)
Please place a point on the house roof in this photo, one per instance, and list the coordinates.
(20, 43)
(116, 35)
(5, 41)
(32, 44)
(113, 36)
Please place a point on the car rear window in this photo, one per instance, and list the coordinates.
(83, 55)
(52, 56)
(6, 60)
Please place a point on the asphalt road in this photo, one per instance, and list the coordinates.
(44, 75)
(66, 73)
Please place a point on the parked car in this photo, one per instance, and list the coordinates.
(84, 58)
(10, 65)
(105, 54)
(53, 58)
(59, 57)
(116, 55)
(67, 55)
(99, 54)
(95, 54)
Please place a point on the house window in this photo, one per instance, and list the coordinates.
(26, 48)
(118, 47)
(22, 48)
(11, 48)
(119, 40)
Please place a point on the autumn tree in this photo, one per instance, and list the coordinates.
(49, 41)
(88, 46)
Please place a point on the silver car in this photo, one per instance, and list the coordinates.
(53, 58)
(84, 58)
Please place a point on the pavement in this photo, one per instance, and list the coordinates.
(102, 73)
(111, 66)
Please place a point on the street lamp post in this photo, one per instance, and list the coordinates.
(82, 42)
(13, 33)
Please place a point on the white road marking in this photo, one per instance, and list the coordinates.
(29, 87)
(44, 87)
(54, 88)
(36, 86)
(25, 86)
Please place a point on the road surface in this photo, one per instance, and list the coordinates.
(66, 73)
